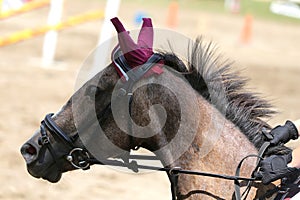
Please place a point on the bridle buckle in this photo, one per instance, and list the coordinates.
(78, 158)
(43, 140)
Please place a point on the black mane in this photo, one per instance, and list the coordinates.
(225, 89)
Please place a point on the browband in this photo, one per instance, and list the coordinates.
(127, 71)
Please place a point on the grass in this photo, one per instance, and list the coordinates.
(261, 9)
(257, 8)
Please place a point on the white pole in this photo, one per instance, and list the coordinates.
(101, 55)
(2, 6)
(50, 40)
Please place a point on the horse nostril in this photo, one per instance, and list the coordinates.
(29, 152)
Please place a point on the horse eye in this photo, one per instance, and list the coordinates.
(92, 91)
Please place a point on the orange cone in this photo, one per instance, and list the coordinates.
(172, 17)
(246, 34)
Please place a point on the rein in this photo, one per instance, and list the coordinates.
(80, 158)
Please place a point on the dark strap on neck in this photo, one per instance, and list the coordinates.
(134, 75)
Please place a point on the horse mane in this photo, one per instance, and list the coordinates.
(225, 89)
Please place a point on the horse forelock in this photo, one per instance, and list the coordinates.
(214, 79)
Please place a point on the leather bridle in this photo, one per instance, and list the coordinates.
(80, 158)
(76, 156)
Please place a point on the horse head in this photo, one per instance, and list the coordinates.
(94, 121)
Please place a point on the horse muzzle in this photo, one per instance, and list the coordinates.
(37, 169)
(51, 151)
(44, 168)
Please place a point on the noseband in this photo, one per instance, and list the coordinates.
(76, 156)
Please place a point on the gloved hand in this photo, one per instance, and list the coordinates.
(282, 134)
(275, 167)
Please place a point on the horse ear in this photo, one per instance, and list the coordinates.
(125, 41)
(135, 54)
(118, 25)
(145, 38)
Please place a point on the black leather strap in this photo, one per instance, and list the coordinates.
(237, 187)
(135, 74)
(56, 131)
(45, 142)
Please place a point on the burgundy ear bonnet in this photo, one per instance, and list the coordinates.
(136, 54)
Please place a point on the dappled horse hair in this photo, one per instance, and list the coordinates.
(225, 89)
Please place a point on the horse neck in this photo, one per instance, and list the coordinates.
(217, 148)
(212, 136)
(217, 145)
